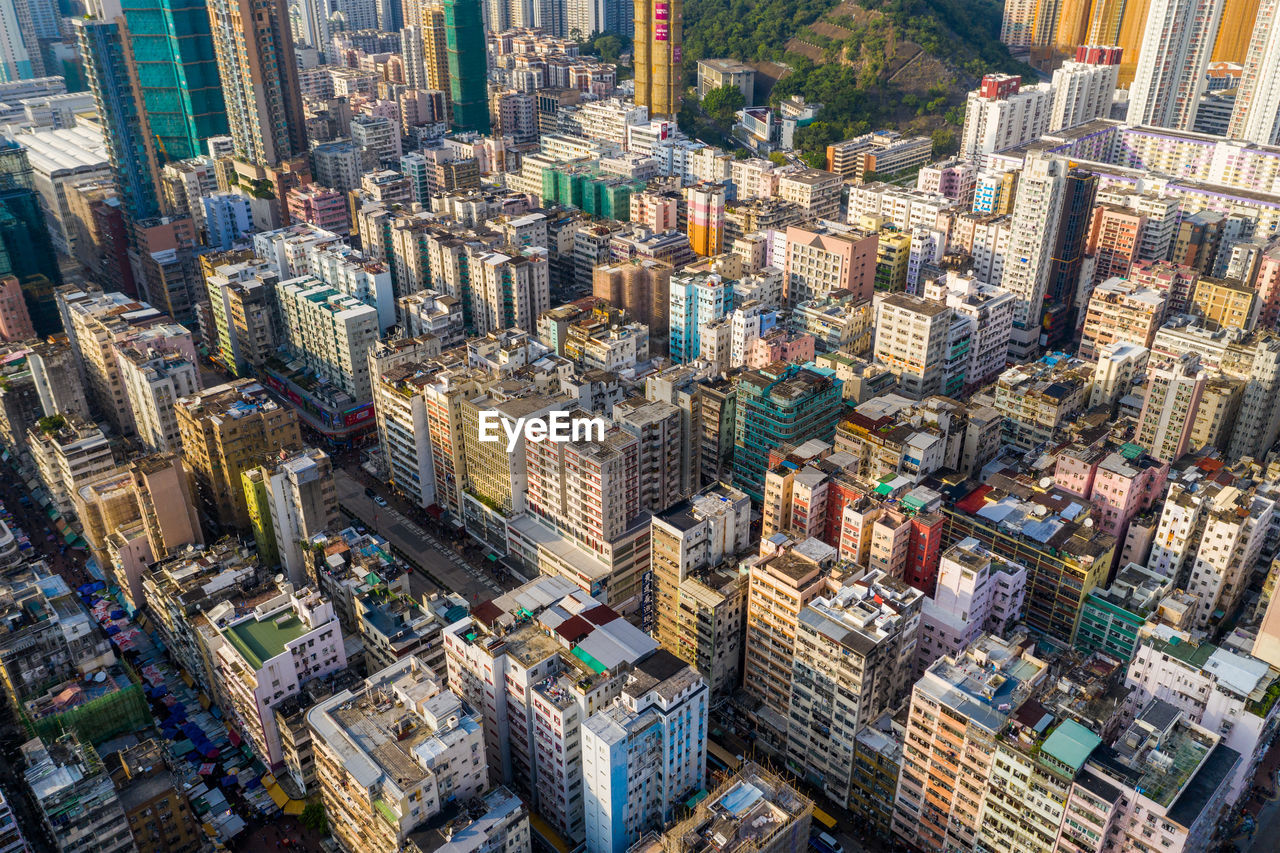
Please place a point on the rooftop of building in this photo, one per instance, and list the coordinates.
(72, 149)
(744, 813)
(660, 672)
(394, 726)
(988, 682)
(195, 573)
(237, 399)
(1161, 754)
(726, 66)
(813, 177)
(465, 827)
(864, 613)
(141, 775)
(259, 640)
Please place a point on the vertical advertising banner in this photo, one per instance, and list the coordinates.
(660, 31)
(661, 12)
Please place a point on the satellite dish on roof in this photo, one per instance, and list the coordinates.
(100, 677)
(1088, 522)
(1046, 482)
(279, 578)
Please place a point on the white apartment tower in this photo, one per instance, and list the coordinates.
(1001, 114)
(1176, 46)
(303, 502)
(265, 656)
(1256, 116)
(1083, 88)
(153, 381)
(1033, 232)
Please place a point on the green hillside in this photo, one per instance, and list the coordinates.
(871, 63)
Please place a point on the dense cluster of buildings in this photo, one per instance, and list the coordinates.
(950, 486)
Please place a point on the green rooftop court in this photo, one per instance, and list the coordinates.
(258, 641)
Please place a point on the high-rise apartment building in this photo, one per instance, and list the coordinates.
(69, 452)
(265, 655)
(1177, 41)
(331, 332)
(1033, 234)
(821, 261)
(656, 730)
(130, 145)
(509, 290)
(953, 731)
(695, 300)
(536, 691)
(780, 404)
(1120, 310)
(977, 592)
(1174, 389)
(924, 343)
(77, 803)
(699, 609)
(1084, 88)
(424, 744)
(154, 379)
(291, 500)
(706, 218)
(1001, 114)
(855, 658)
(225, 430)
(780, 585)
(658, 48)
(137, 515)
(468, 65)
(657, 425)
(253, 43)
(642, 288)
(1256, 114)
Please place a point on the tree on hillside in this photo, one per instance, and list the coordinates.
(609, 48)
(722, 103)
(944, 142)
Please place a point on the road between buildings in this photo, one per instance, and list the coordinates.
(437, 566)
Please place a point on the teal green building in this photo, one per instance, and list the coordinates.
(167, 47)
(1111, 618)
(468, 65)
(790, 406)
(590, 191)
(172, 46)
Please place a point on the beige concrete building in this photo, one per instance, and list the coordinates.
(1120, 310)
(137, 515)
(781, 583)
(153, 381)
(718, 73)
(392, 753)
(69, 452)
(96, 323)
(225, 430)
(700, 592)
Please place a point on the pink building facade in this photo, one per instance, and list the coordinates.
(779, 346)
(321, 207)
(15, 321)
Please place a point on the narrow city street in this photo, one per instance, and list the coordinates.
(438, 565)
